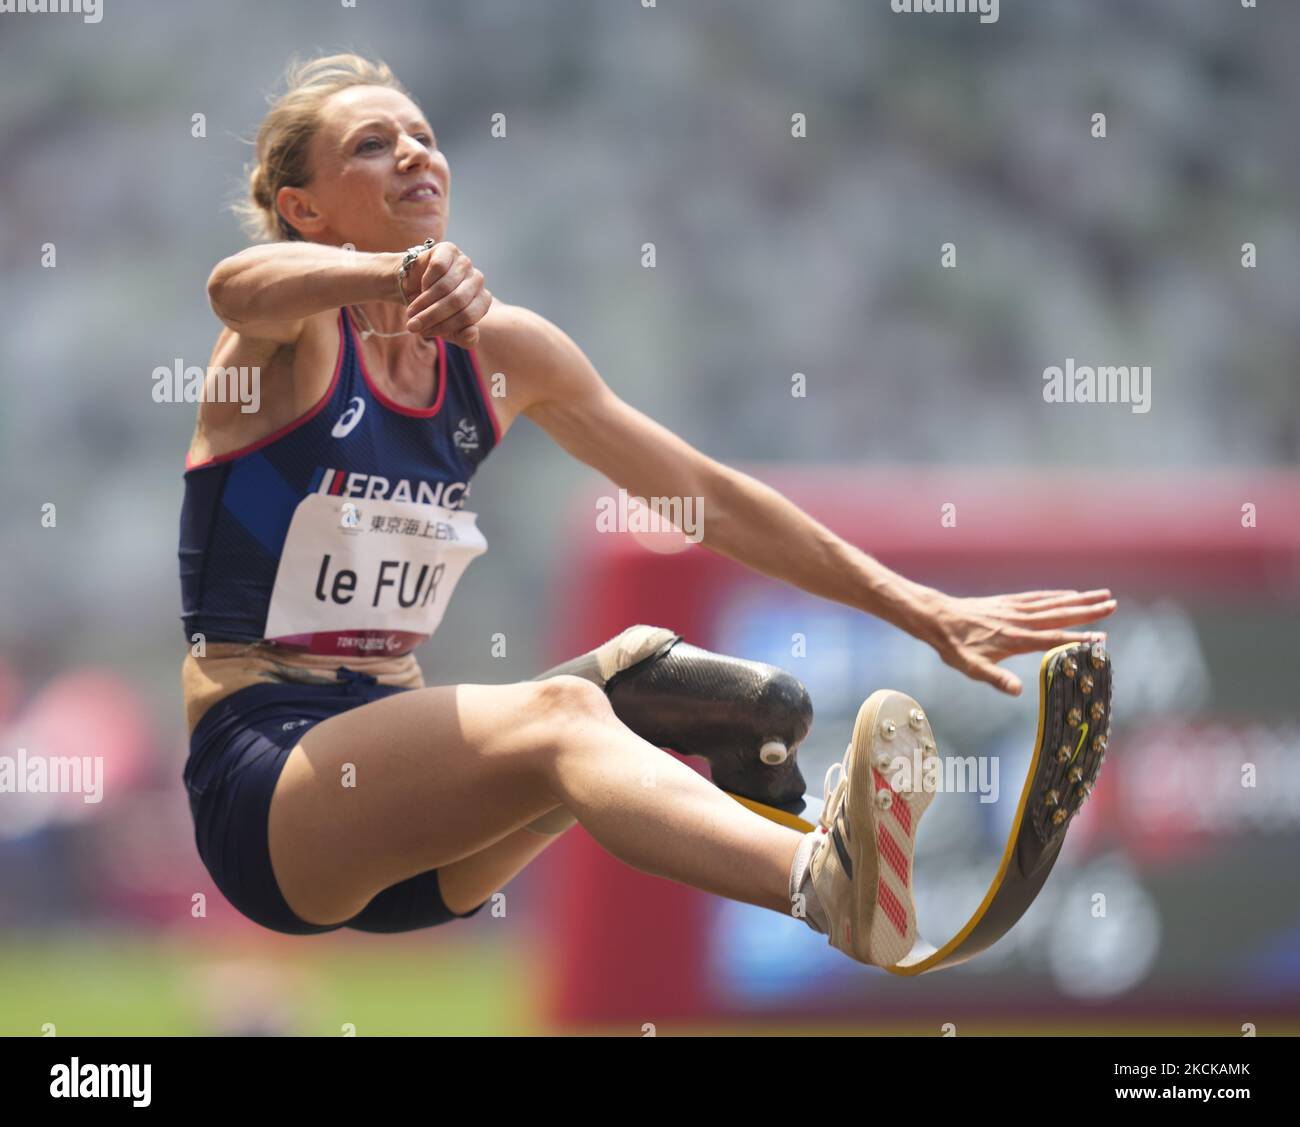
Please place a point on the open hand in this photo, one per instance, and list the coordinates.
(974, 634)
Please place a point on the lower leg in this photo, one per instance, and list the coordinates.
(653, 812)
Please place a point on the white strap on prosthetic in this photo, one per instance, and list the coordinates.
(622, 651)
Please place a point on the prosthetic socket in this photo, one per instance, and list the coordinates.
(746, 718)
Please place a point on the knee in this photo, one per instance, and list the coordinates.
(557, 710)
(567, 698)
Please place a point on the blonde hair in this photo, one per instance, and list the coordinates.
(285, 135)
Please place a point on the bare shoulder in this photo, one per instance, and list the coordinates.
(288, 378)
(526, 356)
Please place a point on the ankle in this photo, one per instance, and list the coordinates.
(805, 903)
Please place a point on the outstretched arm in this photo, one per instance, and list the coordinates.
(755, 525)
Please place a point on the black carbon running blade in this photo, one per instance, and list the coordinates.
(1074, 717)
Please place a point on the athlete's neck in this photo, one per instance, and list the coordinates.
(404, 367)
(381, 317)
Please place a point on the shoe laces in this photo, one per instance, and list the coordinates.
(834, 792)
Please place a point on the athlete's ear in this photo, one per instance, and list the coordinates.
(298, 210)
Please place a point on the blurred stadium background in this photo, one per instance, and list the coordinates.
(775, 255)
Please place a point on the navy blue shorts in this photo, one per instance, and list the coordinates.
(236, 753)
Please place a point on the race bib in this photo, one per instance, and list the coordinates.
(362, 575)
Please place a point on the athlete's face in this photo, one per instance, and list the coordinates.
(378, 180)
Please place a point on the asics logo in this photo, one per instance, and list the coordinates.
(349, 419)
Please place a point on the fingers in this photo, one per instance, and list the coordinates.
(439, 288)
(1066, 616)
(462, 328)
(1002, 679)
(1017, 641)
(427, 267)
(997, 627)
(1044, 600)
(452, 298)
(437, 261)
(459, 309)
(468, 337)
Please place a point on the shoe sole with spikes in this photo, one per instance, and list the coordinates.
(1074, 706)
(863, 871)
(1073, 731)
(1074, 722)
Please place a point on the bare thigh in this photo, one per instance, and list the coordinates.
(467, 883)
(413, 782)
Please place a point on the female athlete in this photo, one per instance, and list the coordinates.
(322, 536)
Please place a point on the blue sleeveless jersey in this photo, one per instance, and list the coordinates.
(346, 531)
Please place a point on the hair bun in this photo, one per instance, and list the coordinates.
(258, 187)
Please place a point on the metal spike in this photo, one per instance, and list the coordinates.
(1073, 717)
(884, 798)
(1085, 684)
(1051, 798)
(916, 718)
(1099, 744)
(1097, 711)
(1063, 753)
(883, 760)
(1098, 657)
(1076, 773)
(1069, 667)
(888, 729)
(1060, 815)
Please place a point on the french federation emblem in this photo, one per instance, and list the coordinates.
(466, 436)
